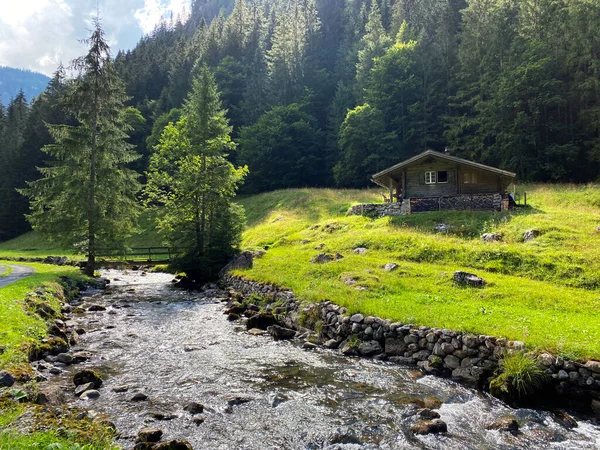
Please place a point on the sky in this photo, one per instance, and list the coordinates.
(40, 34)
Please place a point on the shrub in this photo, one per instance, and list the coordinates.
(520, 376)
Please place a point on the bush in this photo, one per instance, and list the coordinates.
(520, 376)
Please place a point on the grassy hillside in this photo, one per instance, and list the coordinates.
(545, 292)
(33, 244)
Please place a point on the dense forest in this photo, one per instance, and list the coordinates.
(14, 80)
(328, 92)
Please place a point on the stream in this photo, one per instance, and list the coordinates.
(177, 347)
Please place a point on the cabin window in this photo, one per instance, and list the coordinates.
(436, 177)
(469, 177)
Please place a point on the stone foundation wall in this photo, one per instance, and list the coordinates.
(379, 209)
(475, 202)
(466, 357)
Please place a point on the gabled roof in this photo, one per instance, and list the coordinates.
(387, 172)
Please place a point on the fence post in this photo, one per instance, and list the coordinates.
(525, 198)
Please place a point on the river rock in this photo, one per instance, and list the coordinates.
(256, 332)
(331, 343)
(80, 357)
(92, 394)
(162, 415)
(359, 251)
(64, 358)
(369, 348)
(426, 413)
(430, 426)
(82, 388)
(138, 397)
(565, 420)
(120, 389)
(149, 435)
(94, 308)
(309, 345)
(281, 333)
(87, 376)
(506, 424)
(237, 400)
(6, 379)
(194, 408)
(198, 420)
(468, 279)
(261, 321)
(173, 445)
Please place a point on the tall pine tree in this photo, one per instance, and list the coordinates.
(87, 197)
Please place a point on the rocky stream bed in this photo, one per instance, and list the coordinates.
(170, 360)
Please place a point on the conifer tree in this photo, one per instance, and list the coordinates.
(192, 181)
(373, 45)
(86, 198)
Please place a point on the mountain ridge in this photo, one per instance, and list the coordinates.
(13, 80)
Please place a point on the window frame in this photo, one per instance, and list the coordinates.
(438, 177)
(431, 177)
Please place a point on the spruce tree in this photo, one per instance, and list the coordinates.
(86, 197)
(191, 183)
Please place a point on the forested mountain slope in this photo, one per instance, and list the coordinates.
(14, 80)
(328, 92)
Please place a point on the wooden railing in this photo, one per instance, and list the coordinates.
(138, 254)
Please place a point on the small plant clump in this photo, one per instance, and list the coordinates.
(520, 376)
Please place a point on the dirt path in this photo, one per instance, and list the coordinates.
(16, 274)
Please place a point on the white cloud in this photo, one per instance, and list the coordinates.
(154, 10)
(40, 34)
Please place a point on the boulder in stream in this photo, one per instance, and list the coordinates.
(261, 321)
(138, 397)
(194, 408)
(82, 388)
(92, 394)
(149, 435)
(430, 427)
(87, 376)
(507, 424)
(281, 333)
(173, 445)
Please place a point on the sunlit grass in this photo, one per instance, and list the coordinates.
(18, 329)
(545, 292)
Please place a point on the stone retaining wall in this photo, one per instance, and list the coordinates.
(379, 209)
(475, 202)
(466, 357)
(466, 202)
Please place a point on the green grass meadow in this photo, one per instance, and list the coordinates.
(17, 328)
(545, 292)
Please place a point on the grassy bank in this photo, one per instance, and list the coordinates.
(19, 329)
(545, 292)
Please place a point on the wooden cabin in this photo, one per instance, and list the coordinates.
(433, 181)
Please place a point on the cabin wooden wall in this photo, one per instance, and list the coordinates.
(486, 182)
(415, 179)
